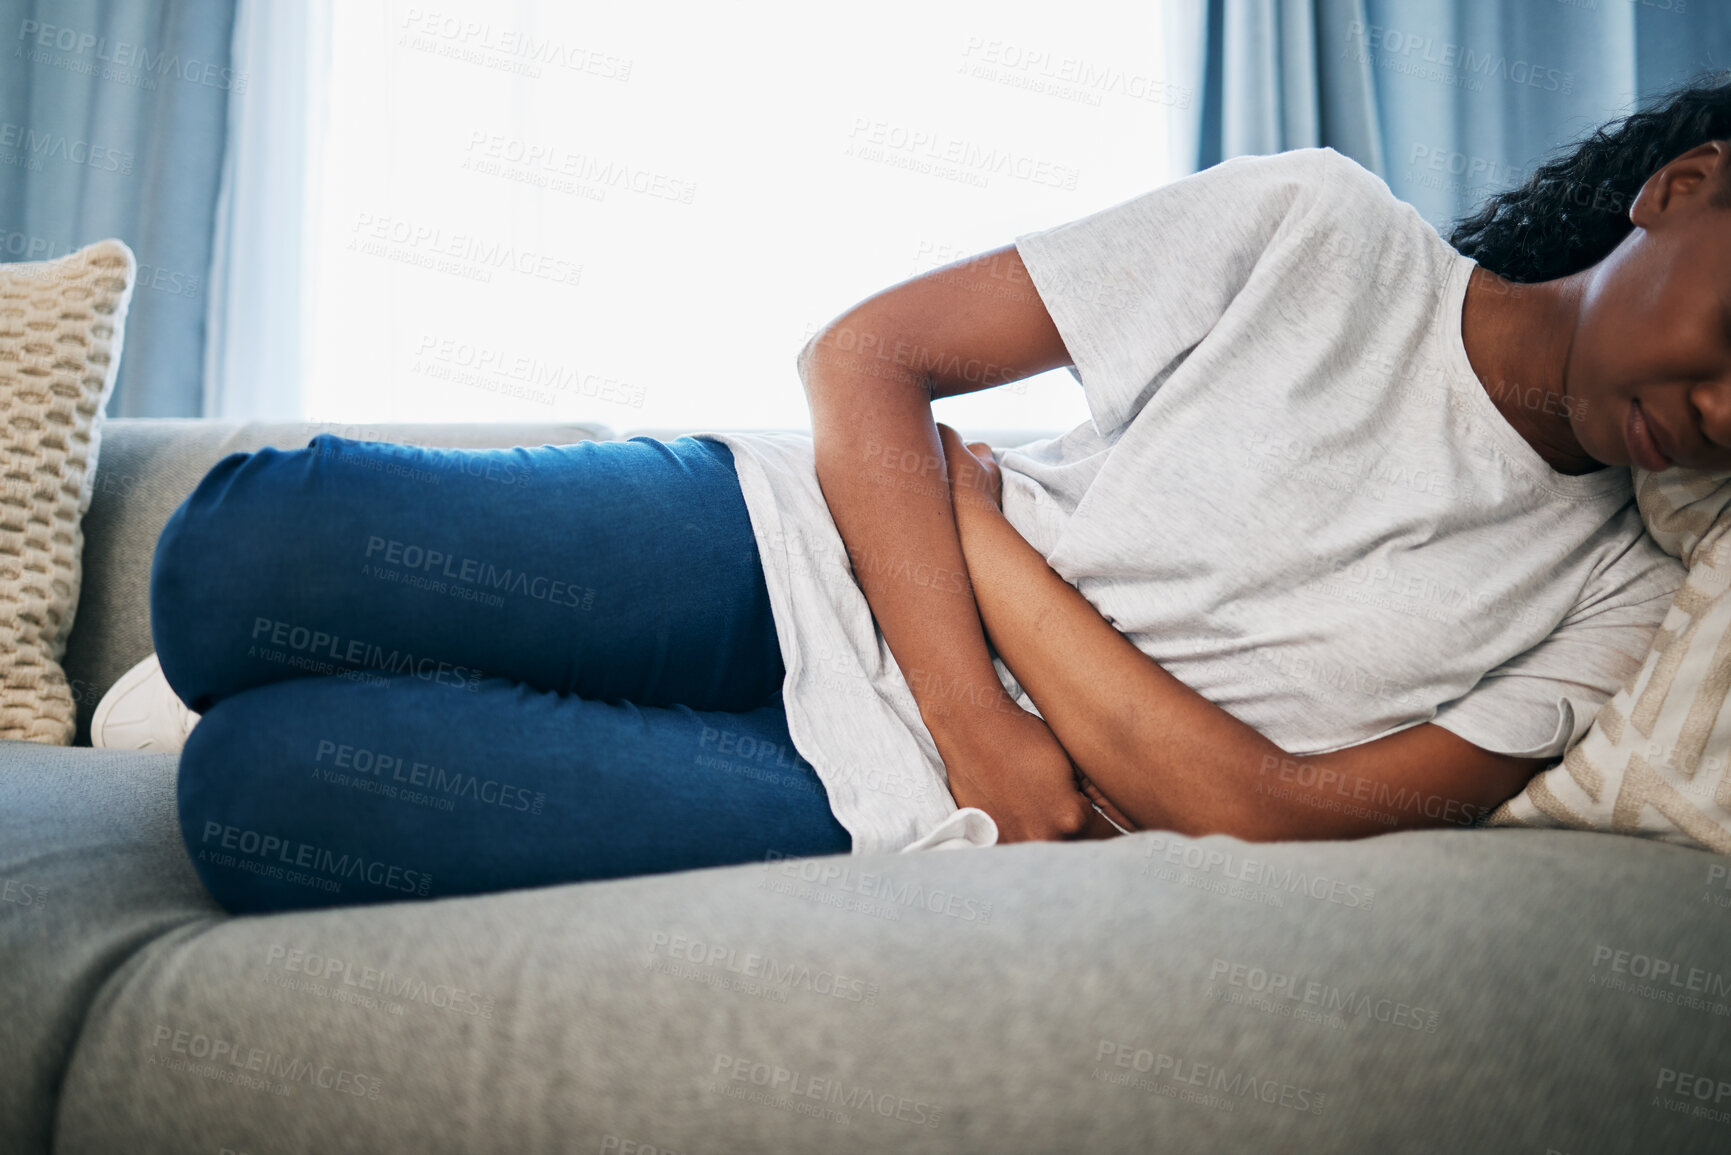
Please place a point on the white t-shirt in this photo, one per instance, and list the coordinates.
(1294, 495)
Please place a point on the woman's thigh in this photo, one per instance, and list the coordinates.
(617, 569)
(330, 791)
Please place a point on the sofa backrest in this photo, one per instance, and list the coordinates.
(145, 467)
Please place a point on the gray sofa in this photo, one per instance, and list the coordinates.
(1451, 990)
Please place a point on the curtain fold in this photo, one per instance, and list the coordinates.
(254, 366)
(1449, 101)
(113, 122)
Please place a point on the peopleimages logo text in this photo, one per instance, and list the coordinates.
(124, 54)
(316, 858)
(1210, 860)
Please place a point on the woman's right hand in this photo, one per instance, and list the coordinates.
(1014, 769)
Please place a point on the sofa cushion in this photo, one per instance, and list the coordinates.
(1464, 989)
(61, 328)
(150, 465)
(91, 869)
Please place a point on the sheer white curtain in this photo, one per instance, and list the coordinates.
(1184, 29)
(638, 214)
(256, 322)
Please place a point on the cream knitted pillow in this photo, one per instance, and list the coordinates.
(60, 333)
(1653, 763)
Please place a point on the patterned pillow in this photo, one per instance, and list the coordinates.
(61, 323)
(1653, 763)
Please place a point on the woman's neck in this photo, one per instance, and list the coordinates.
(1517, 339)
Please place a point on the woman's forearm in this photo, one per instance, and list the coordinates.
(1102, 697)
(881, 469)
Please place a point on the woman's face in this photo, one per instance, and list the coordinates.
(1654, 324)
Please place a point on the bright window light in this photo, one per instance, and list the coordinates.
(638, 214)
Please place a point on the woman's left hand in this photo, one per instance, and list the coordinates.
(973, 468)
(1116, 822)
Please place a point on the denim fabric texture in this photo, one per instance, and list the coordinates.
(426, 672)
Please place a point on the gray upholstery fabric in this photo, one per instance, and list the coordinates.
(92, 868)
(145, 469)
(529, 1021)
(1458, 990)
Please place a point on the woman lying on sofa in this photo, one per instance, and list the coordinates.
(1346, 546)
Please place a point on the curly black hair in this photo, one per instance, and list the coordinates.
(1573, 210)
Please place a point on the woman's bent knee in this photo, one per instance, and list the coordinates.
(264, 835)
(185, 561)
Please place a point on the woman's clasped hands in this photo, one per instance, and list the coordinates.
(1012, 765)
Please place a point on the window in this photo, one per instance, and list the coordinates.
(637, 214)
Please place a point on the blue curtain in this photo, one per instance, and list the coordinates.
(113, 120)
(1449, 101)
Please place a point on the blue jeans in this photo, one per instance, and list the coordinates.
(427, 672)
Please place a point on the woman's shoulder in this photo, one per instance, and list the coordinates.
(1344, 175)
(1365, 235)
(1320, 168)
